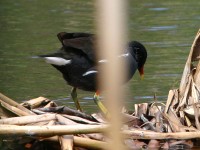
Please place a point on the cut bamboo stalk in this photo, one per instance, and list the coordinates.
(8, 130)
(94, 136)
(99, 118)
(38, 112)
(51, 123)
(50, 104)
(80, 120)
(144, 134)
(65, 121)
(13, 109)
(83, 142)
(28, 119)
(41, 123)
(66, 142)
(15, 104)
(4, 113)
(36, 102)
(89, 143)
(111, 42)
(68, 111)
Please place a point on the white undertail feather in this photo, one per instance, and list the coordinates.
(89, 72)
(57, 61)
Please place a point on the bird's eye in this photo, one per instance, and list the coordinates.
(136, 52)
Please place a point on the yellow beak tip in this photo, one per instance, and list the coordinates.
(142, 77)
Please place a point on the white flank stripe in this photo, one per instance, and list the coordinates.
(89, 72)
(103, 61)
(57, 61)
(124, 55)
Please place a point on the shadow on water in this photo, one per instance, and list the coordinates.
(29, 28)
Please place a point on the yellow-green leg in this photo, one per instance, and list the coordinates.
(75, 99)
(100, 104)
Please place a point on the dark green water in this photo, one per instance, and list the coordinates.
(29, 27)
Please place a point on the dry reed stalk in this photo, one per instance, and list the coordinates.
(79, 119)
(147, 134)
(35, 131)
(51, 123)
(68, 111)
(82, 142)
(89, 143)
(65, 121)
(15, 104)
(36, 102)
(4, 113)
(169, 100)
(193, 56)
(196, 114)
(66, 142)
(174, 121)
(99, 118)
(28, 119)
(13, 109)
(50, 104)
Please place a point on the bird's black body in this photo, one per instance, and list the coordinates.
(79, 49)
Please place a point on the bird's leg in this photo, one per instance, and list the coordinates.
(99, 103)
(75, 99)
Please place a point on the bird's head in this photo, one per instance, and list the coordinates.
(138, 51)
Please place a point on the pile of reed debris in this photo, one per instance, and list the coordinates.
(40, 124)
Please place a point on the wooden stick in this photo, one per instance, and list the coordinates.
(8, 130)
(28, 119)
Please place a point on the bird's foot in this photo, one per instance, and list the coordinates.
(75, 99)
(100, 104)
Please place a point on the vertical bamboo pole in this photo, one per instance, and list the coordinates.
(111, 41)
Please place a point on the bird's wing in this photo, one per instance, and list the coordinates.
(82, 42)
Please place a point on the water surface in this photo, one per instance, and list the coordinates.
(29, 28)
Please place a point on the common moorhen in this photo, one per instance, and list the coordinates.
(77, 62)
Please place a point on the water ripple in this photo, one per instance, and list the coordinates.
(159, 9)
(161, 28)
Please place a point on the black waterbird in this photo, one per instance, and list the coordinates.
(77, 62)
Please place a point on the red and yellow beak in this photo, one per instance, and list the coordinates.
(141, 71)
